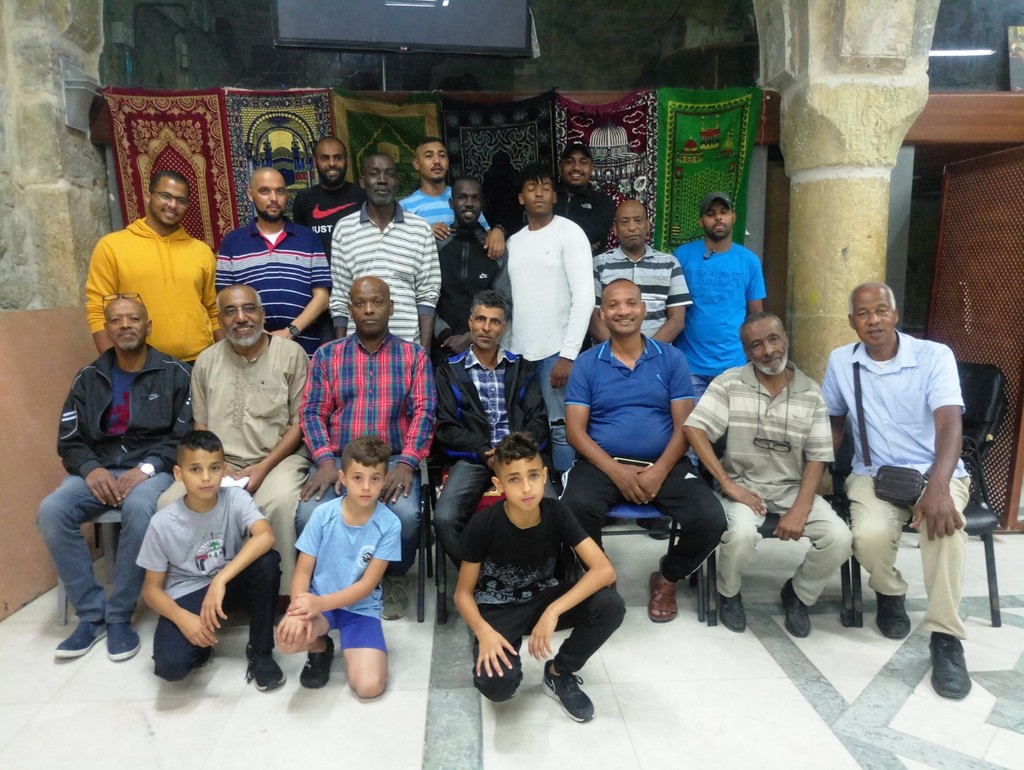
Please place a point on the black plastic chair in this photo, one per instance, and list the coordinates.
(983, 387)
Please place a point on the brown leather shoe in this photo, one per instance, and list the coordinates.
(662, 607)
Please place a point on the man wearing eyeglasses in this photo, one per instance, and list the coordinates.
(247, 389)
(156, 258)
(119, 432)
(777, 442)
(912, 419)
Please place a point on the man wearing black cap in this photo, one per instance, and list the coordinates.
(577, 201)
(726, 285)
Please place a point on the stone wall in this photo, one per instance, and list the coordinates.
(55, 202)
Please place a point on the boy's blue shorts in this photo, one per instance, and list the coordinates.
(357, 631)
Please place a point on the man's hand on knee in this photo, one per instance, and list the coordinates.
(326, 475)
(103, 486)
(936, 506)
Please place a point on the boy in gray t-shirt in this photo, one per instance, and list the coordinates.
(193, 552)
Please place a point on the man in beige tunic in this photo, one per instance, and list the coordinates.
(247, 389)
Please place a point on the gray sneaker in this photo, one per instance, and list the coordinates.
(394, 597)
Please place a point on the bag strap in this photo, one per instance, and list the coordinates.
(865, 450)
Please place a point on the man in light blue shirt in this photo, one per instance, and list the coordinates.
(912, 410)
(432, 200)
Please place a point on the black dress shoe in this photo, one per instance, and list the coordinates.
(798, 623)
(892, 616)
(731, 613)
(949, 670)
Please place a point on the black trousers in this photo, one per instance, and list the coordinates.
(254, 588)
(592, 621)
(590, 494)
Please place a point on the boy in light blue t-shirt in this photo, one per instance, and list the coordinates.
(343, 552)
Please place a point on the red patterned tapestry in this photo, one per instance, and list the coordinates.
(183, 131)
(623, 137)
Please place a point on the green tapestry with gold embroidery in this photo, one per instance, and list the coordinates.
(704, 143)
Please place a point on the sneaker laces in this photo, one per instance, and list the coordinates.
(258, 664)
(394, 591)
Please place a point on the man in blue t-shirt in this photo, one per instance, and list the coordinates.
(625, 406)
(726, 285)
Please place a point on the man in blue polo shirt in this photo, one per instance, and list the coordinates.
(726, 285)
(625, 406)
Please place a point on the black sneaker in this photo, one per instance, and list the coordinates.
(731, 613)
(264, 669)
(892, 617)
(949, 669)
(566, 689)
(317, 671)
(798, 623)
(205, 657)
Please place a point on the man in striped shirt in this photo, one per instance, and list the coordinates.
(778, 440)
(282, 261)
(371, 383)
(658, 275)
(385, 241)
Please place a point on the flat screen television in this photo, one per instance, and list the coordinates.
(494, 27)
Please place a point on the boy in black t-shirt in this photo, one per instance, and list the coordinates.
(507, 587)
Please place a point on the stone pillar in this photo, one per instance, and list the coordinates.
(852, 75)
(55, 203)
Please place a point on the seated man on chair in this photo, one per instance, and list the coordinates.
(371, 383)
(247, 389)
(626, 403)
(909, 411)
(119, 434)
(772, 464)
(483, 394)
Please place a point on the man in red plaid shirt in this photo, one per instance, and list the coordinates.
(371, 383)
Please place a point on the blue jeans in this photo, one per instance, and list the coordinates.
(466, 484)
(562, 454)
(407, 509)
(700, 383)
(60, 519)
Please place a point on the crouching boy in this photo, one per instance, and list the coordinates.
(199, 563)
(507, 587)
(343, 552)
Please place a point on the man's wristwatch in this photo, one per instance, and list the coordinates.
(147, 468)
(293, 330)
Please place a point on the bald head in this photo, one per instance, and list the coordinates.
(269, 194)
(370, 307)
(241, 316)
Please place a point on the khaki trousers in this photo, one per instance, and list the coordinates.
(830, 546)
(277, 498)
(877, 526)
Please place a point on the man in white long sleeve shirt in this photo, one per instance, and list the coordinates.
(551, 271)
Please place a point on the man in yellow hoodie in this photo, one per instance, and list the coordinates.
(172, 272)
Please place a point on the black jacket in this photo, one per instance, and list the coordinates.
(463, 430)
(161, 413)
(465, 270)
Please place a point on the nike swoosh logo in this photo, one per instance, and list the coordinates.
(319, 213)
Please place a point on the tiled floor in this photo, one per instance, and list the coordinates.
(666, 695)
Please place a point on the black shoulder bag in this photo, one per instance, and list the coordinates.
(896, 485)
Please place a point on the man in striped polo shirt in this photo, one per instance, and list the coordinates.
(658, 275)
(778, 440)
(385, 241)
(284, 262)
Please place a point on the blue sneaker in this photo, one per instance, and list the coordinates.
(85, 635)
(122, 641)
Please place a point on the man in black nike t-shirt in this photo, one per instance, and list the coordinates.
(322, 206)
